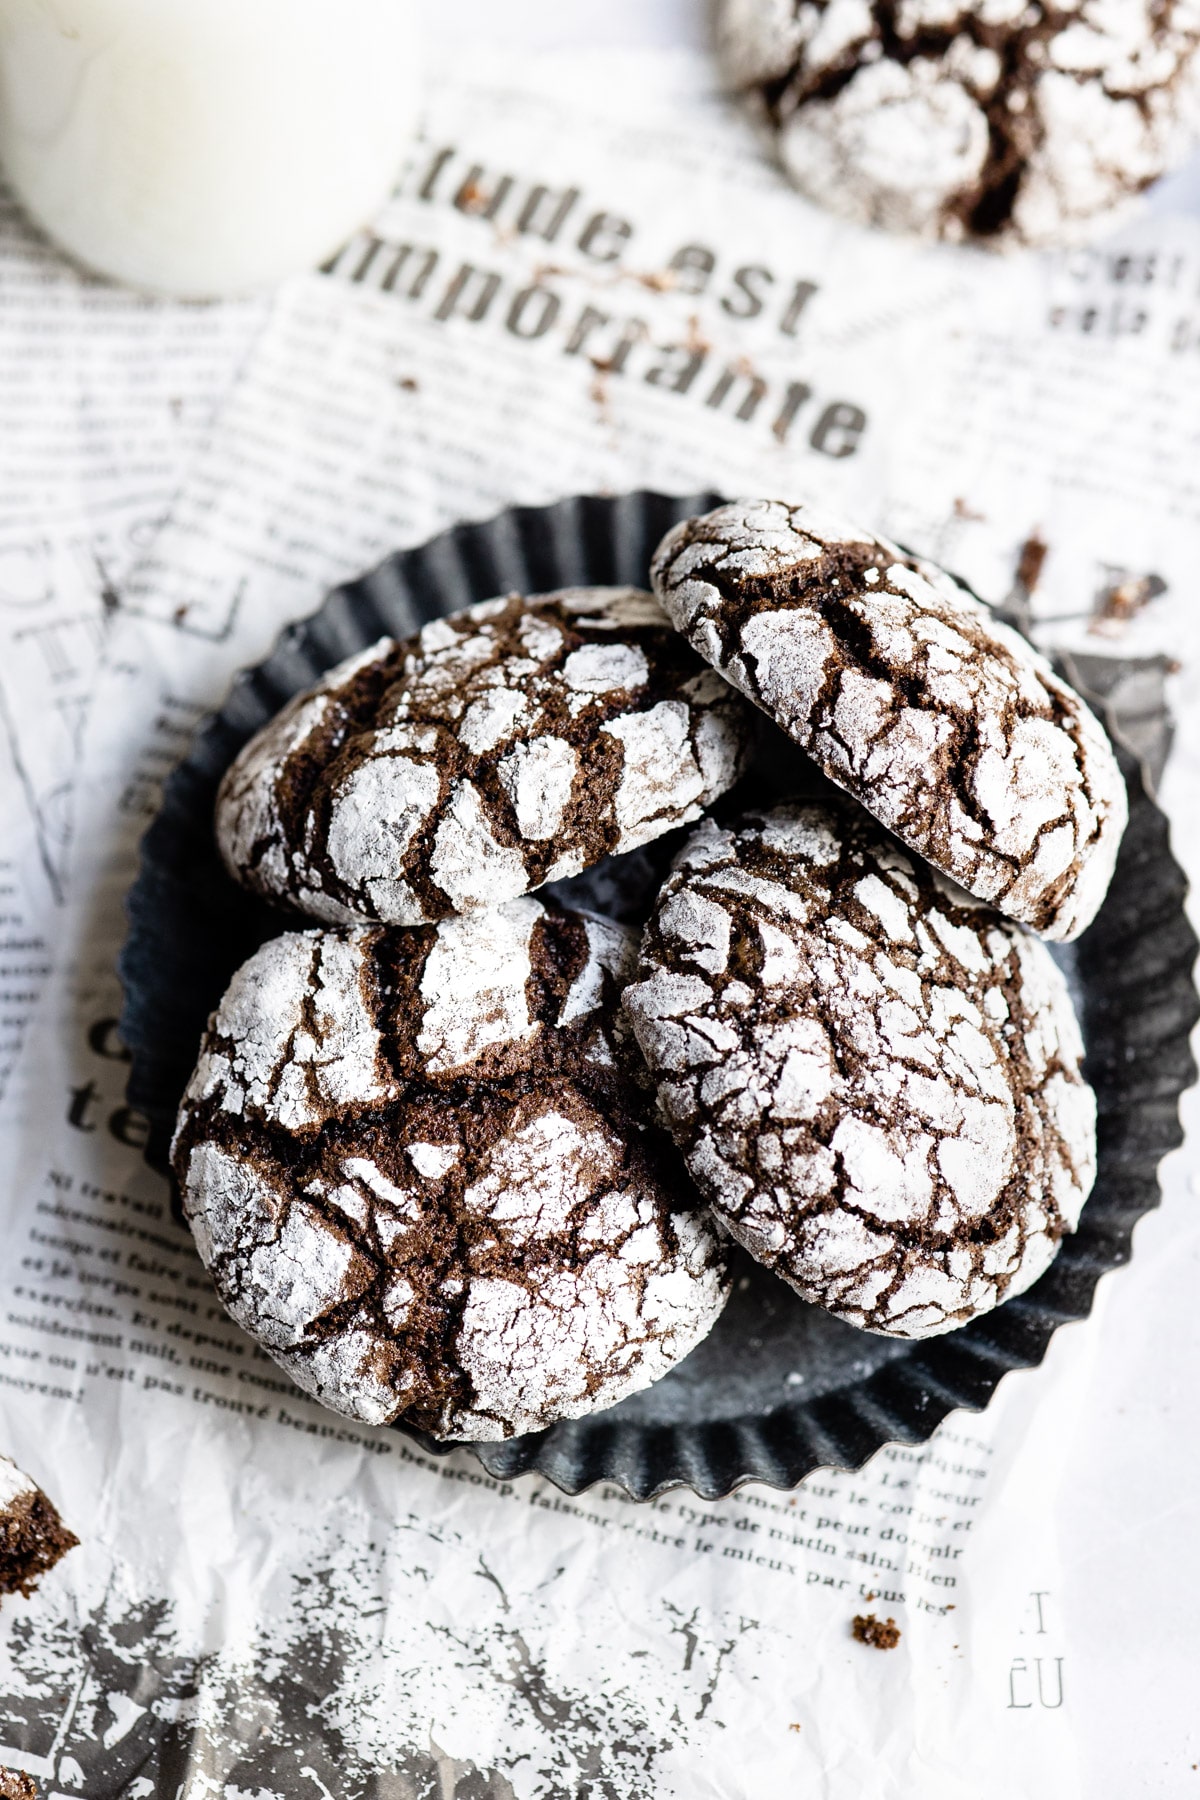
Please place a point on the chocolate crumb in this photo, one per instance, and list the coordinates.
(16, 1786)
(1030, 561)
(32, 1536)
(1122, 599)
(881, 1634)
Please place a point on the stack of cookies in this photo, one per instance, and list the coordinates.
(466, 1155)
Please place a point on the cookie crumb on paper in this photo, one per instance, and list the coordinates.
(881, 1634)
(32, 1536)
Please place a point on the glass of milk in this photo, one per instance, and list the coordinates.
(203, 147)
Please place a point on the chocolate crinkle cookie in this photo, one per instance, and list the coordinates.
(418, 1167)
(1003, 123)
(15, 1785)
(513, 744)
(873, 1079)
(945, 724)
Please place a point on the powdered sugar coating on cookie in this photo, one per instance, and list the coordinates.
(874, 1080)
(1001, 122)
(513, 744)
(422, 1180)
(944, 723)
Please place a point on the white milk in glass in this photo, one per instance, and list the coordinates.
(201, 147)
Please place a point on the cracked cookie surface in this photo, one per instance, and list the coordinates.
(416, 1164)
(874, 1080)
(945, 724)
(1002, 122)
(510, 745)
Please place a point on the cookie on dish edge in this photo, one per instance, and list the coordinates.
(417, 1168)
(944, 723)
(513, 744)
(874, 1080)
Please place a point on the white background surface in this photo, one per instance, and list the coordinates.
(567, 24)
(1130, 1507)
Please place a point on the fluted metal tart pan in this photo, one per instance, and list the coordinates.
(779, 1388)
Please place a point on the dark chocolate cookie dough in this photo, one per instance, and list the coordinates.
(1002, 122)
(874, 1080)
(513, 744)
(417, 1166)
(945, 724)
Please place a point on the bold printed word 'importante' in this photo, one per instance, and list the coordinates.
(613, 343)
